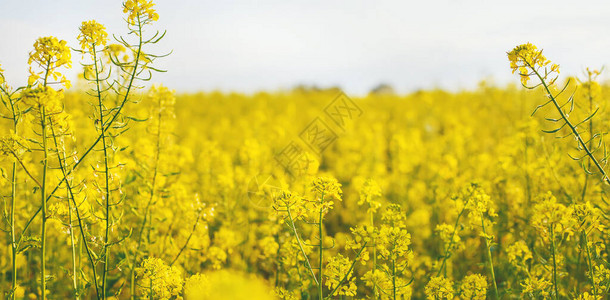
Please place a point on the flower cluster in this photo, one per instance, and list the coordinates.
(474, 286)
(551, 218)
(49, 54)
(44, 97)
(92, 34)
(440, 288)
(140, 11)
(159, 280)
(536, 287)
(369, 192)
(526, 58)
(336, 273)
(518, 254)
(13, 146)
(326, 190)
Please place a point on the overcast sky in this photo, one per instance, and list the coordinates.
(248, 46)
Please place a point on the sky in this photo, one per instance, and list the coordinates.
(249, 46)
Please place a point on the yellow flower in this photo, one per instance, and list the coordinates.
(140, 11)
(601, 276)
(327, 187)
(163, 99)
(48, 55)
(518, 253)
(162, 280)
(285, 294)
(44, 96)
(536, 287)
(377, 279)
(336, 269)
(269, 246)
(92, 34)
(12, 145)
(1, 75)
(116, 49)
(369, 192)
(552, 216)
(439, 288)
(527, 57)
(287, 202)
(474, 286)
(445, 232)
(587, 296)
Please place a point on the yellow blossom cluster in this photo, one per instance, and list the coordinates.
(48, 55)
(140, 11)
(158, 280)
(92, 34)
(526, 57)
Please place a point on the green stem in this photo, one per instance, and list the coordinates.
(447, 252)
(572, 128)
(150, 291)
(296, 235)
(375, 293)
(554, 262)
(394, 278)
(584, 188)
(73, 246)
(43, 191)
(13, 200)
(188, 239)
(148, 207)
(13, 242)
(491, 264)
(135, 255)
(348, 271)
(105, 252)
(81, 226)
(320, 248)
(43, 285)
(589, 262)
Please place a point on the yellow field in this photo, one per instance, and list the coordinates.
(112, 191)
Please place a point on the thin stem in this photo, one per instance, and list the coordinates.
(296, 235)
(13, 243)
(375, 293)
(81, 226)
(554, 262)
(73, 246)
(105, 253)
(491, 264)
(584, 188)
(320, 248)
(24, 167)
(589, 262)
(572, 128)
(348, 271)
(13, 200)
(43, 234)
(447, 253)
(148, 206)
(187, 240)
(135, 255)
(44, 204)
(394, 278)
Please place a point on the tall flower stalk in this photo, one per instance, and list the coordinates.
(48, 55)
(529, 62)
